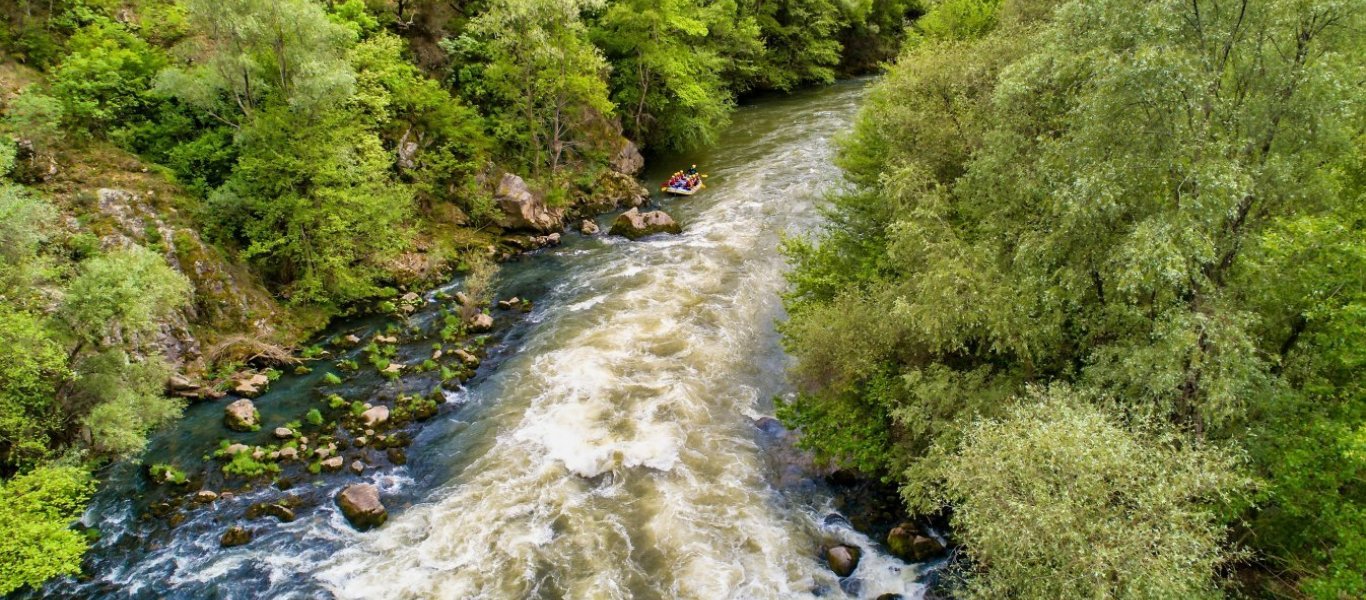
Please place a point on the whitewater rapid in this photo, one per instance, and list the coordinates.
(621, 460)
(614, 454)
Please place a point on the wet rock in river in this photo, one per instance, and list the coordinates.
(283, 510)
(236, 448)
(634, 224)
(908, 543)
(357, 467)
(480, 323)
(284, 433)
(361, 505)
(333, 464)
(843, 559)
(510, 303)
(289, 453)
(241, 416)
(375, 416)
(588, 227)
(251, 385)
(205, 496)
(468, 359)
(396, 456)
(236, 535)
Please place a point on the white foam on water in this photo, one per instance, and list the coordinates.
(624, 462)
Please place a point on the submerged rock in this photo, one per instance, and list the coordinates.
(843, 559)
(236, 535)
(635, 224)
(361, 505)
(241, 415)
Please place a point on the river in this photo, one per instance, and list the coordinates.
(613, 452)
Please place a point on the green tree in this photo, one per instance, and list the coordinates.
(440, 141)
(546, 82)
(1154, 205)
(105, 79)
(316, 205)
(110, 307)
(1058, 500)
(667, 74)
(36, 539)
(37, 117)
(801, 41)
(248, 52)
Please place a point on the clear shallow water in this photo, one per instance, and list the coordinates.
(612, 454)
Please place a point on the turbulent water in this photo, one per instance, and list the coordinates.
(614, 454)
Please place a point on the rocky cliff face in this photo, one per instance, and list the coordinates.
(114, 197)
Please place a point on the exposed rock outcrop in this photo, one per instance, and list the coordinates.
(523, 210)
(612, 190)
(588, 227)
(628, 159)
(361, 505)
(634, 224)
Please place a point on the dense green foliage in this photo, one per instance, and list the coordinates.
(36, 509)
(1159, 206)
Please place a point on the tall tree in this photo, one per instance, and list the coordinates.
(244, 52)
(1105, 199)
(534, 61)
(668, 68)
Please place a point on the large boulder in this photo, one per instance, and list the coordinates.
(635, 224)
(628, 159)
(524, 210)
(241, 416)
(360, 503)
(843, 559)
(908, 543)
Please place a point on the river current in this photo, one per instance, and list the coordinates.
(613, 453)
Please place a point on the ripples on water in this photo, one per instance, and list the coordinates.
(615, 454)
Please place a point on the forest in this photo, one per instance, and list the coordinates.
(1093, 295)
(1096, 296)
(289, 156)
